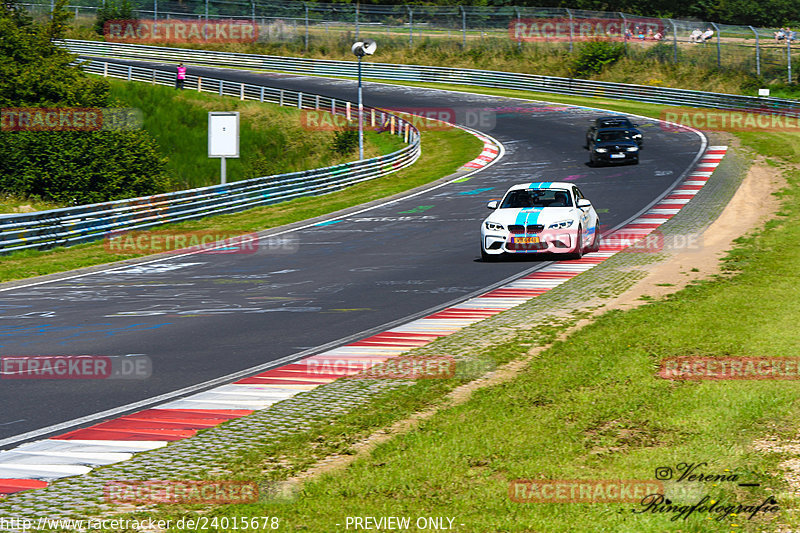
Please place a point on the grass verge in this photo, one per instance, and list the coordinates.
(590, 407)
(443, 153)
(273, 139)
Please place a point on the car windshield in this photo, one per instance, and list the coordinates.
(615, 123)
(613, 136)
(537, 198)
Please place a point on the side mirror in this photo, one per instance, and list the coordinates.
(584, 203)
(492, 204)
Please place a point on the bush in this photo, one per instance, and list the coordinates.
(594, 56)
(76, 167)
(662, 52)
(345, 142)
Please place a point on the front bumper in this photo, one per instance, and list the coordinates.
(615, 157)
(562, 241)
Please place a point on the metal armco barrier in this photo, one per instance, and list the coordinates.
(73, 225)
(421, 73)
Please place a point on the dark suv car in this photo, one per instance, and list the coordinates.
(613, 145)
(613, 121)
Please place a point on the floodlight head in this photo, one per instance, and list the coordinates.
(363, 48)
(370, 46)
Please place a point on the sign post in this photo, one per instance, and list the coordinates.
(223, 137)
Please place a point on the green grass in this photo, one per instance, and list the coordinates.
(273, 139)
(589, 407)
(443, 153)
(10, 203)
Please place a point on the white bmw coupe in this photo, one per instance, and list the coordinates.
(542, 217)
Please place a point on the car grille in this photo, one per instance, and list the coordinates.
(526, 246)
(530, 228)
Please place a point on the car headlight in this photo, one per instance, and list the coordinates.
(560, 225)
(637, 135)
(601, 150)
(632, 148)
(494, 226)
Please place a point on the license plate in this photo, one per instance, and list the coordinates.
(525, 240)
(617, 156)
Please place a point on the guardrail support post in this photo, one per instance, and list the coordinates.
(625, 31)
(372, 118)
(316, 102)
(758, 52)
(105, 69)
(571, 29)
(261, 98)
(347, 111)
(153, 80)
(306, 39)
(674, 41)
(241, 91)
(299, 100)
(199, 84)
(221, 83)
(716, 28)
(280, 97)
(130, 72)
(463, 26)
(410, 26)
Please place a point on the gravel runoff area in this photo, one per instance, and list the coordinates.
(206, 453)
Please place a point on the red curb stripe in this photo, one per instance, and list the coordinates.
(513, 293)
(656, 215)
(132, 424)
(10, 486)
(113, 434)
(189, 414)
(561, 274)
(255, 380)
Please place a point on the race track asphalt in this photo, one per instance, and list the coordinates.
(205, 316)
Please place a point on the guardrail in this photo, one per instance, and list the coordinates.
(421, 73)
(73, 225)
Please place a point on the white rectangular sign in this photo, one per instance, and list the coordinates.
(223, 134)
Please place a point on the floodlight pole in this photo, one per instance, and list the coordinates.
(360, 116)
(360, 49)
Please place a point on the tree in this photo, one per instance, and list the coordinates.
(64, 166)
(34, 71)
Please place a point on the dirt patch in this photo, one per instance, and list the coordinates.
(750, 207)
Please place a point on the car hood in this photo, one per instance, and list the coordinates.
(531, 215)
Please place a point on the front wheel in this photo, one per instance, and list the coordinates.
(578, 252)
(595, 246)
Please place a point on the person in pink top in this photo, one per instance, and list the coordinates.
(181, 76)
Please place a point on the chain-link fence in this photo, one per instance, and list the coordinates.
(760, 51)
